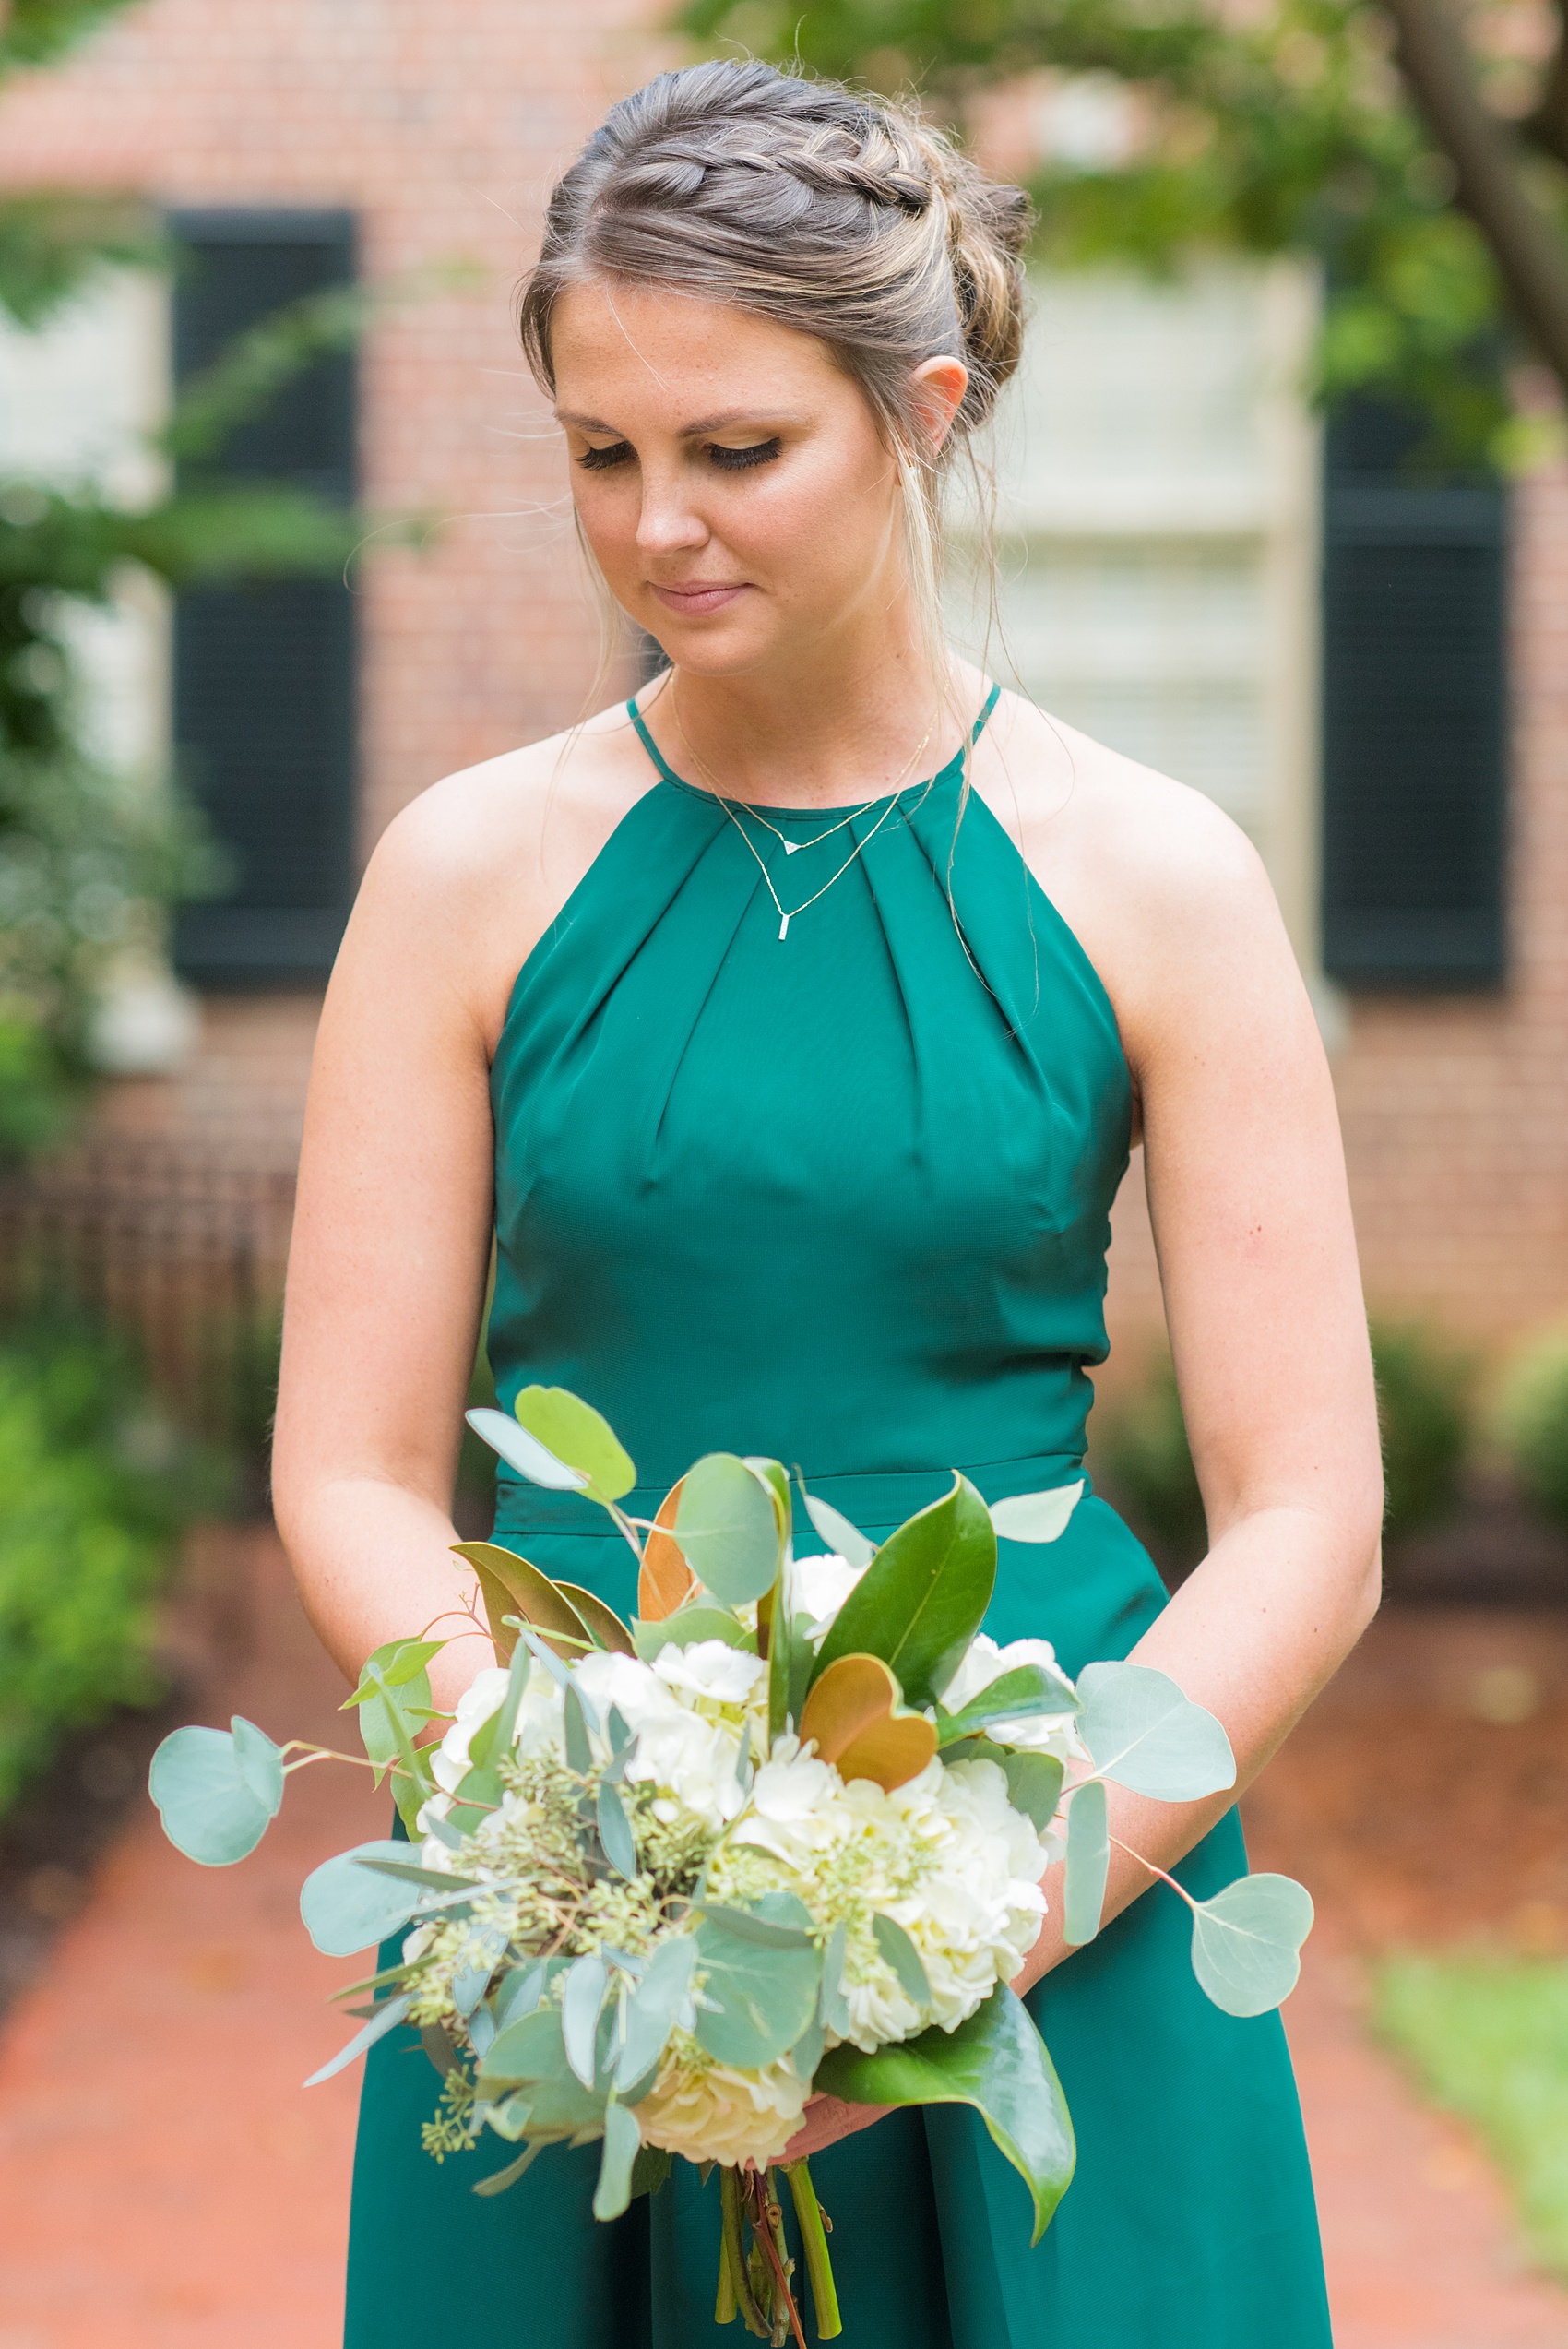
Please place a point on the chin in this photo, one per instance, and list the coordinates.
(710, 648)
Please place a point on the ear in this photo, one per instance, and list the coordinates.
(939, 387)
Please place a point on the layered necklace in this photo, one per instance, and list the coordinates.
(788, 914)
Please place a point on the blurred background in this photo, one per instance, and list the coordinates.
(1282, 510)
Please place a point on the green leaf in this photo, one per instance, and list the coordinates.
(921, 1600)
(409, 1871)
(579, 1753)
(531, 2048)
(1037, 1517)
(523, 1452)
(1145, 1735)
(384, 2020)
(900, 1953)
(1019, 1694)
(512, 1585)
(499, 2180)
(1034, 1786)
(577, 1436)
(846, 1540)
(650, 2171)
(759, 1999)
(622, 2144)
(348, 1907)
(686, 1627)
(727, 1529)
(259, 1761)
(582, 2002)
(209, 1806)
(1088, 1863)
(602, 1621)
(400, 1661)
(779, 1920)
(662, 2003)
(783, 1675)
(1246, 1942)
(832, 2005)
(997, 2062)
(615, 1833)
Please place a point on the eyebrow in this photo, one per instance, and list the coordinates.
(688, 432)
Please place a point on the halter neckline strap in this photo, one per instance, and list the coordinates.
(667, 773)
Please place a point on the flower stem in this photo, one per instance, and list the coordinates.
(813, 2243)
(733, 2254)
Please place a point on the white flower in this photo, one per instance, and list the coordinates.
(682, 1753)
(799, 1807)
(820, 1586)
(985, 1662)
(711, 1670)
(712, 2113)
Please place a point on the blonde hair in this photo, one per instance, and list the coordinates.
(843, 216)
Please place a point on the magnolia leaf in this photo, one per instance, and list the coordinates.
(208, 1798)
(997, 2062)
(1034, 1786)
(1246, 1942)
(853, 1714)
(756, 2000)
(1023, 1694)
(575, 1437)
(602, 1621)
(348, 1907)
(511, 1586)
(622, 2141)
(665, 1582)
(921, 1600)
(1145, 1735)
(727, 1524)
(582, 2002)
(1037, 1517)
(615, 1833)
(1088, 1863)
(523, 1452)
(776, 1617)
(662, 2003)
(686, 1627)
(384, 2020)
(901, 1954)
(845, 1540)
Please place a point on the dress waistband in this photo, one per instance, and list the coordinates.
(875, 1502)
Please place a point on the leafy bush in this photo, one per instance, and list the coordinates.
(1423, 1391)
(1532, 1423)
(93, 1489)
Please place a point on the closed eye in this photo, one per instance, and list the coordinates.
(596, 461)
(735, 460)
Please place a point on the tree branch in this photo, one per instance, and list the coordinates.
(1529, 255)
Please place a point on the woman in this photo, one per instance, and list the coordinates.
(789, 1030)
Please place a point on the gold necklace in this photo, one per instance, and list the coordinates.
(788, 913)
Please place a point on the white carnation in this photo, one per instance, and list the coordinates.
(712, 2113)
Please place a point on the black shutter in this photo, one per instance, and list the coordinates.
(264, 673)
(1415, 712)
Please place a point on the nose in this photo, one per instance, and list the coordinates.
(667, 524)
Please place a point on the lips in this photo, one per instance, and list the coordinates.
(698, 599)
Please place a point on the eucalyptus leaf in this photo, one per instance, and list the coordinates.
(686, 1627)
(921, 1600)
(472, 1979)
(833, 2007)
(727, 1529)
(768, 1932)
(1034, 1786)
(1023, 1694)
(375, 1856)
(518, 1992)
(758, 1999)
(579, 1753)
(348, 1907)
(661, 2004)
(211, 1807)
(997, 2062)
(1146, 1735)
(845, 1540)
(376, 1700)
(523, 1452)
(582, 2002)
(529, 2048)
(386, 2019)
(807, 2051)
(1037, 1517)
(440, 2047)
(1089, 1863)
(615, 1833)
(622, 2142)
(900, 1953)
(1246, 1942)
(577, 1437)
(260, 1762)
(499, 2180)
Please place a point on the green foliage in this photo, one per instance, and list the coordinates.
(1247, 1940)
(1260, 132)
(922, 1599)
(1488, 2037)
(1532, 1423)
(1423, 1396)
(90, 1507)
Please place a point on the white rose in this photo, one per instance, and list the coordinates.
(712, 2113)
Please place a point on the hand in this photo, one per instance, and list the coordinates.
(827, 2119)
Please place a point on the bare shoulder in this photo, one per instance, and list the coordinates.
(1165, 892)
(473, 869)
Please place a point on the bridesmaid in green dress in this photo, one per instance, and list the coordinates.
(787, 1032)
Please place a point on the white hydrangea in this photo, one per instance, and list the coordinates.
(1051, 1732)
(712, 2113)
(820, 1586)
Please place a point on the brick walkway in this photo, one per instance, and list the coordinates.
(164, 2183)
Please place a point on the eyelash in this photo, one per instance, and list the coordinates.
(724, 460)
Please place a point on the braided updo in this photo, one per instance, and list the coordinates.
(842, 216)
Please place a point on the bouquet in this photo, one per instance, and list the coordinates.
(783, 1834)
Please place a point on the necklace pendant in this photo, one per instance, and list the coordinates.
(784, 929)
(792, 848)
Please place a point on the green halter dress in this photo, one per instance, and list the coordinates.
(843, 1199)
